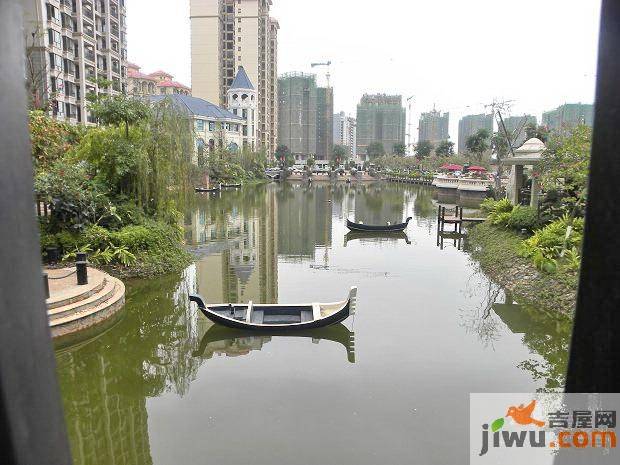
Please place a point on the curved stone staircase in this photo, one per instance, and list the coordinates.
(73, 308)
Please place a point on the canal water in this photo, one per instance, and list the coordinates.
(163, 385)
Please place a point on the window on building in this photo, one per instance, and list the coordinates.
(55, 38)
(211, 126)
(200, 125)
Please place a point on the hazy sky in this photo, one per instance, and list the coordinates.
(455, 54)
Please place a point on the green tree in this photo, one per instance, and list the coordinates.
(284, 156)
(566, 162)
(539, 132)
(339, 154)
(423, 149)
(400, 149)
(445, 149)
(478, 143)
(120, 109)
(310, 162)
(374, 150)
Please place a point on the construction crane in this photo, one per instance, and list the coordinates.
(409, 134)
(327, 64)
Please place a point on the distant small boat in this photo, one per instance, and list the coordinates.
(229, 186)
(208, 189)
(270, 317)
(377, 228)
(377, 236)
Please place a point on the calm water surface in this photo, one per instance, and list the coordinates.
(165, 386)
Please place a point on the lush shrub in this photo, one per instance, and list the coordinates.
(74, 198)
(496, 206)
(556, 245)
(523, 218)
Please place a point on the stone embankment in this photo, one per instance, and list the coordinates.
(72, 308)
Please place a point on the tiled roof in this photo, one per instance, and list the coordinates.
(160, 73)
(242, 81)
(197, 106)
(138, 75)
(172, 84)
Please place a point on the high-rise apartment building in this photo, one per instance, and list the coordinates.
(380, 118)
(74, 48)
(434, 127)
(227, 34)
(345, 133)
(568, 116)
(297, 114)
(470, 125)
(515, 126)
(324, 123)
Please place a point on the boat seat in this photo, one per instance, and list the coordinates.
(248, 312)
(316, 311)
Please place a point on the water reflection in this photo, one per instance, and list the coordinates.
(145, 389)
(375, 237)
(546, 335)
(219, 340)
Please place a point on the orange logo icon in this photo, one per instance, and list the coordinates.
(523, 415)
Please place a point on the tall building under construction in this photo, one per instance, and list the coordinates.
(306, 115)
(380, 118)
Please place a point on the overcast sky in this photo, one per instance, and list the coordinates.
(455, 54)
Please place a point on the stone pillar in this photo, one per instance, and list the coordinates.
(535, 191)
(516, 182)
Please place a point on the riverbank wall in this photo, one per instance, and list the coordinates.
(496, 250)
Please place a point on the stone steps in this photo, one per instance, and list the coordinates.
(75, 308)
(64, 294)
(88, 301)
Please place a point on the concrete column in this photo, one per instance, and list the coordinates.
(516, 182)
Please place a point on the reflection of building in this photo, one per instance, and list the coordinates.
(470, 125)
(304, 221)
(434, 127)
(240, 262)
(380, 118)
(378, 206)
(157, 83)
(236, 347)
(568, 116)
(225, 35)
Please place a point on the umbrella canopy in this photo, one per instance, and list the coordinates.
(476, 168)
(451, 167)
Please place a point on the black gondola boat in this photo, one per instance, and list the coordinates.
(208, 189)
(378, 228)
(274, 317)
(231, 186)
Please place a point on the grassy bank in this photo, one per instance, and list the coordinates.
(497, 251)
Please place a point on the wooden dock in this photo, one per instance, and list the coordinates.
(453, 216)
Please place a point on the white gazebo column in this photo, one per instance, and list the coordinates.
(516, 183)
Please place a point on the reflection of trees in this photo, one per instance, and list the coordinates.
(106, 381)
(547, 335)
(544, 334)
(423, 203)
(481, 321)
